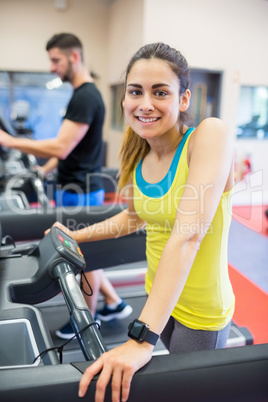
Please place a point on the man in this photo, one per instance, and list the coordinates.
(77, 147)
(76, 151)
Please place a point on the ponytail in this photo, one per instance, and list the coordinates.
(132, 150)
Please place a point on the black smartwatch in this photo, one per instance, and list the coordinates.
(140, 331)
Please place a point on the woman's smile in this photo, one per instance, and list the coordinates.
(147, 120)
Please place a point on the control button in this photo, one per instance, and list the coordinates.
(79, 251)
(61, 238)
(67, 243)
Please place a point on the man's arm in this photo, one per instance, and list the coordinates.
(70, 134)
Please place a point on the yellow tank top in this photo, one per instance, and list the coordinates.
(207, 300)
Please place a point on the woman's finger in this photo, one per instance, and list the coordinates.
(103, 381)
(90, 372)
(116, 385)
(57, 224)
(126, 382)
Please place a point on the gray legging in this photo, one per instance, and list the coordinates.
(177, 338)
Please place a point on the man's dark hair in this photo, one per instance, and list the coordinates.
(65, 41)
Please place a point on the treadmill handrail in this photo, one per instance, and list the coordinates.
(83, 323)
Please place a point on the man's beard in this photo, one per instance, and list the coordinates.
(67, 77)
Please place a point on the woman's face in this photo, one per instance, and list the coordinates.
(152, 102)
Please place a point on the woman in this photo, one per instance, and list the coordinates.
(179, 181)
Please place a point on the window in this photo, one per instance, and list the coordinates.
(33, 103)
(252, 118)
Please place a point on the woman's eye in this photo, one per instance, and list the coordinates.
(160, 93)
(135, 92)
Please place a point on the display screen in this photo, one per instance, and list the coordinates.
(137, 330)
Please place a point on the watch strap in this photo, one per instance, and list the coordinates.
(151, 337)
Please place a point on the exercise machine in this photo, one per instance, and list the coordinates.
(123, 259)
(30, 367)
(20, 181)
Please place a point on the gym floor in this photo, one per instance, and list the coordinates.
(248, 263)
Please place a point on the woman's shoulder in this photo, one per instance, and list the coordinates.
(210, 128)
(213, 124)
(209, 133)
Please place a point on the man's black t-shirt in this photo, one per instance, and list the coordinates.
(80, 171)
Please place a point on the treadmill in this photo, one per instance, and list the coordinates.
(123, 259)
(30, 363)
(20, 182)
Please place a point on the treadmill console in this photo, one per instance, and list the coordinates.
(54, 249)
(67, 247)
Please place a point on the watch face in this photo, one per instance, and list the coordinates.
(137, 329)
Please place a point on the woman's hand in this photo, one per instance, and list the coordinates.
(61, 227)
(120, 364)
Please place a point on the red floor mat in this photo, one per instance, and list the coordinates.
(251, 309)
